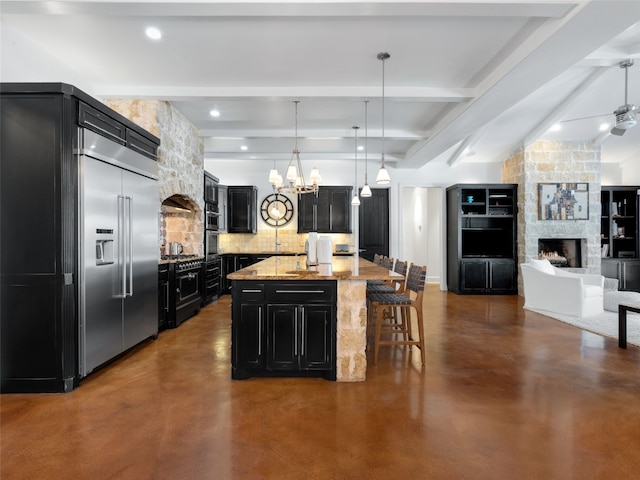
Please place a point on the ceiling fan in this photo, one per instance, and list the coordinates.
(625, 114)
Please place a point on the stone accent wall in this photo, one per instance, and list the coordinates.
(555, 162)
(180, 167)
(351, 340)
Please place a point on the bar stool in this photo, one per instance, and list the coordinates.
(384, 262)
(393, 317)
(411, 298)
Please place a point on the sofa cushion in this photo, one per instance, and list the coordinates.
(614, 298)
(589, 291)
(543, 265)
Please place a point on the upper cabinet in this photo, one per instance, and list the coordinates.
(210, 188)
(242, 209)
(328, 211)
(107, 126)
(222, 208)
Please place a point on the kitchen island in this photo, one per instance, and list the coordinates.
(290, 320)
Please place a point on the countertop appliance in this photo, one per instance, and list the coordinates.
(118, 211)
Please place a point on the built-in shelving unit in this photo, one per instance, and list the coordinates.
(619, 235)
(481, 238)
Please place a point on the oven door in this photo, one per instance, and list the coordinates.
(188, 286)
(211, 245)
(212, 217)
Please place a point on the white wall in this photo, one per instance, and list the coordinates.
(422, 224)
(245, 172)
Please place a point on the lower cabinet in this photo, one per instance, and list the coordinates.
(284, 329)
(626, 271)
(488, 276)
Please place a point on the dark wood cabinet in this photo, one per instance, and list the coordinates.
(163, 296)
(105, 124)
(237, 261)
(210, 188)
(481, 238)
(284, 328)
(242, 209)
(373, 217)
(490, 275)
(211, 275)
(619, 233)
(327, 211)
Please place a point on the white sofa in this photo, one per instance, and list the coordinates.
(554, 290)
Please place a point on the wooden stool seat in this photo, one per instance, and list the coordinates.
(391, 311)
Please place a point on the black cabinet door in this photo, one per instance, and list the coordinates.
(248, 336)
(210, 189)
(241, 209)
(316, 337)
(631, 275)
(283, 328)
(502, 277)
(306, 212)
(328, 211)
(374, 224)
(474, 276)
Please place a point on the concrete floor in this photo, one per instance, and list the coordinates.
(505, 394)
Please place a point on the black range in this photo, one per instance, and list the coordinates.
(180, 282)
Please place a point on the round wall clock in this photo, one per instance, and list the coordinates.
(276, 210)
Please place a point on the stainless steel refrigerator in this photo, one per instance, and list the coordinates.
(118, 217)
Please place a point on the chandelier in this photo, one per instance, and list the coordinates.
(296, 183)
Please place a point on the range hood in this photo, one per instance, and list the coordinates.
(175, 204)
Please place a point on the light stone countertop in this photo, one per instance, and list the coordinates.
(341, 268)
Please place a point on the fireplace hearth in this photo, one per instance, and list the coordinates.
(561, 252)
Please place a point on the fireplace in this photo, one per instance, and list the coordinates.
(561, 252)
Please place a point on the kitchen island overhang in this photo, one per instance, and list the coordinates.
(273, 339)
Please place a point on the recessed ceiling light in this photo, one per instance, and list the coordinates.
(360, 148)
(556, 127)
(604, 127)
(243, 147)
(153, 33)
(214, 113)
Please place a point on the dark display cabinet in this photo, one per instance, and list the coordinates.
(327, 211)
(242, 209)
(283, 329)
(481, 238)
(619, 235)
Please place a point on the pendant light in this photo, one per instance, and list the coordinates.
(366, 191)
(296, 183)
(355, 201)
(383, 177)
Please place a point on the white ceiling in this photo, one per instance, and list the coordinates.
(466, 81)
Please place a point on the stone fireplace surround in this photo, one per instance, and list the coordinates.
(555, 162)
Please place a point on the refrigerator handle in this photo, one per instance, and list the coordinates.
(129, 201)
(122, 257)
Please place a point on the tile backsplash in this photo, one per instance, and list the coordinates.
(265, 241)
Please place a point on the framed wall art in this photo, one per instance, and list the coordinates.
(563, 201)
